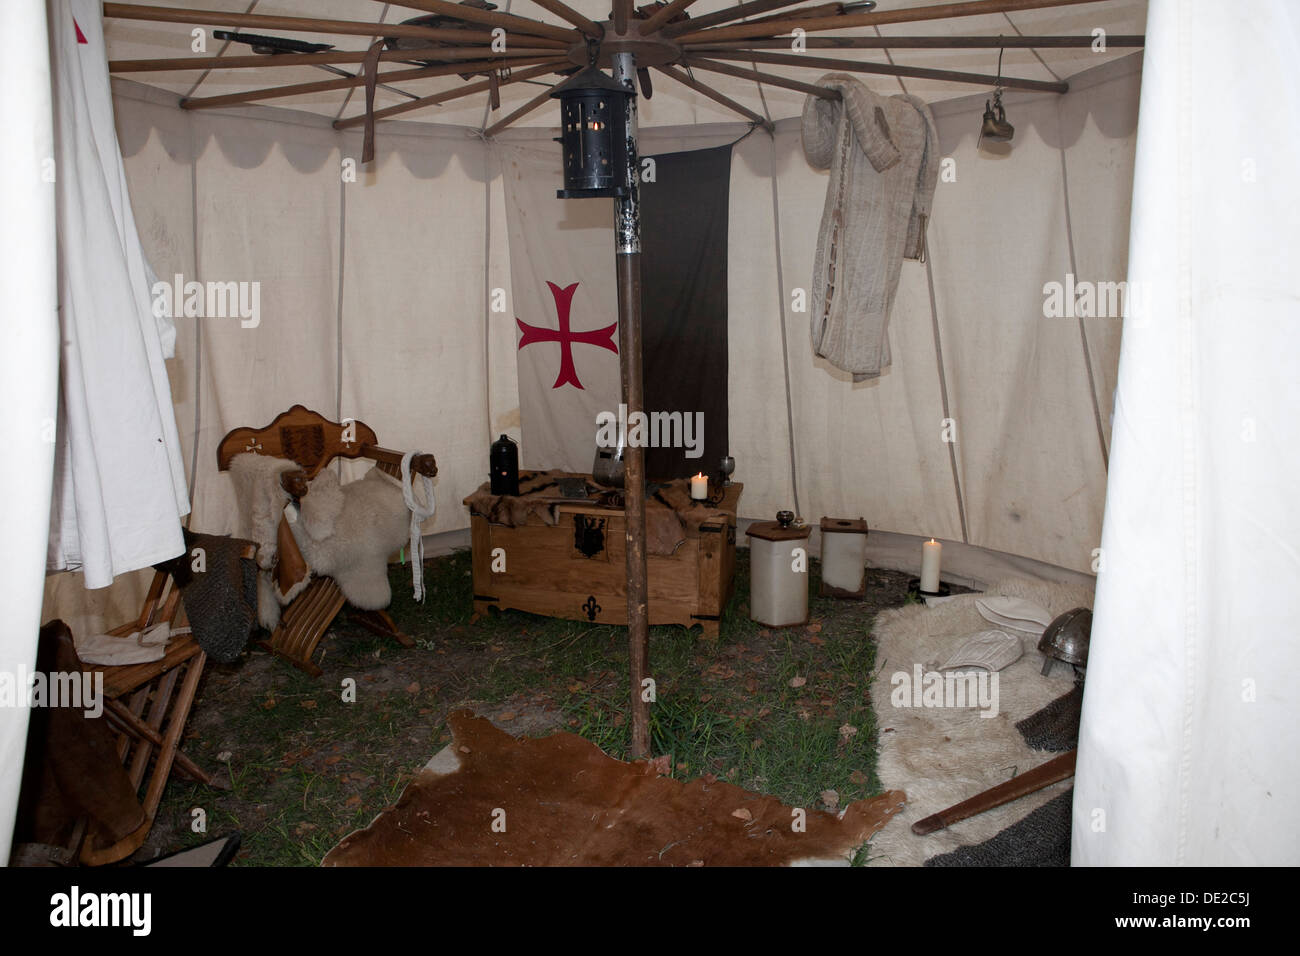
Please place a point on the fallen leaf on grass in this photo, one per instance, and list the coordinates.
(413, 687)
(307, 704)
(331, 761)
(268, 704)
(858, 777)
(847, 731)
(352, 801)
(798, 681)
(831, 799)
(508, 716)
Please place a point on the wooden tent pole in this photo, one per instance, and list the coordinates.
(687, 80)
(771, 79)
(885, 69)
(566, 12)
(917, 43)
(940, 11)
(516, 76)
(696, 24)
(622, 12)
(663, 15)
(219, 18)
(259, 60)
(344, 83)
(522, 26)
(627, 259)
(522, 111)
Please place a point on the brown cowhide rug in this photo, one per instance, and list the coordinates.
(490, 799)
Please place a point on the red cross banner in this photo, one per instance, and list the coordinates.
(564, 308)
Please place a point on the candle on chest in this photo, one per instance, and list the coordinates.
(699, 487)
(931, 553)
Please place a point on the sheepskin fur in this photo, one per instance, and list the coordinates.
(941, 756)
(364, 522)
(260, 501)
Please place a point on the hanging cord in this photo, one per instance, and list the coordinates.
(419, 514)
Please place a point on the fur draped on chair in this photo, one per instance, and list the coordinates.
(345, 532)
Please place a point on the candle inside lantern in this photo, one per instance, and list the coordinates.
(699, 487)
(931, 552)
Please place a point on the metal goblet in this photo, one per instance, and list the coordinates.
(727, 466)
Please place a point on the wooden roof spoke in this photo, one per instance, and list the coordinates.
(942, 11)
(687, 80)
(492, 18)
(541, 69)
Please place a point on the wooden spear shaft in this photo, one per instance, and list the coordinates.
(1056, 769)
(627, 258)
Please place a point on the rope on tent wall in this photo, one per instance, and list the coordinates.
(338, 318)
(225, 45)
(1032, 50)
(1083, 331)
(889, 58)
(487, 286)
(785, 346)
(198, 337)
(780, 285)
(943, 392)
(938, 340)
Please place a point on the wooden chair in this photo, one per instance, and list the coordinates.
(147, 706)
(313, 441)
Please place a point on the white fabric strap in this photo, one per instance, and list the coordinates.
(419, 513)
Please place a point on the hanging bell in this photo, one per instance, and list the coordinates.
(996, 127)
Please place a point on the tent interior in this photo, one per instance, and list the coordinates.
(393, 293)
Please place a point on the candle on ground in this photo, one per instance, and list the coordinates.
(699, 487)
(930, 556)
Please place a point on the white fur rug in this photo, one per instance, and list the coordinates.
(943, 755)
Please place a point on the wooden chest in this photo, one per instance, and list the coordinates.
(576, 568)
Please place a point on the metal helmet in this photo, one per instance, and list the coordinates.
(1066, 639)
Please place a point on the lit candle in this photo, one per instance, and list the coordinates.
(930, 554)
(699, 487)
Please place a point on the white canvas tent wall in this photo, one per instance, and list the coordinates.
(375, 294)
(29, 364)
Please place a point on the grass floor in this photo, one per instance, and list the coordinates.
(784, 711)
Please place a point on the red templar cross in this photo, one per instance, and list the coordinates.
(603, 338)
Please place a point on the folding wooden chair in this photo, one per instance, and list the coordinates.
(148, 705)
(313, 441)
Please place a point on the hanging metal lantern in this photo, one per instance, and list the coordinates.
(593, 134)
